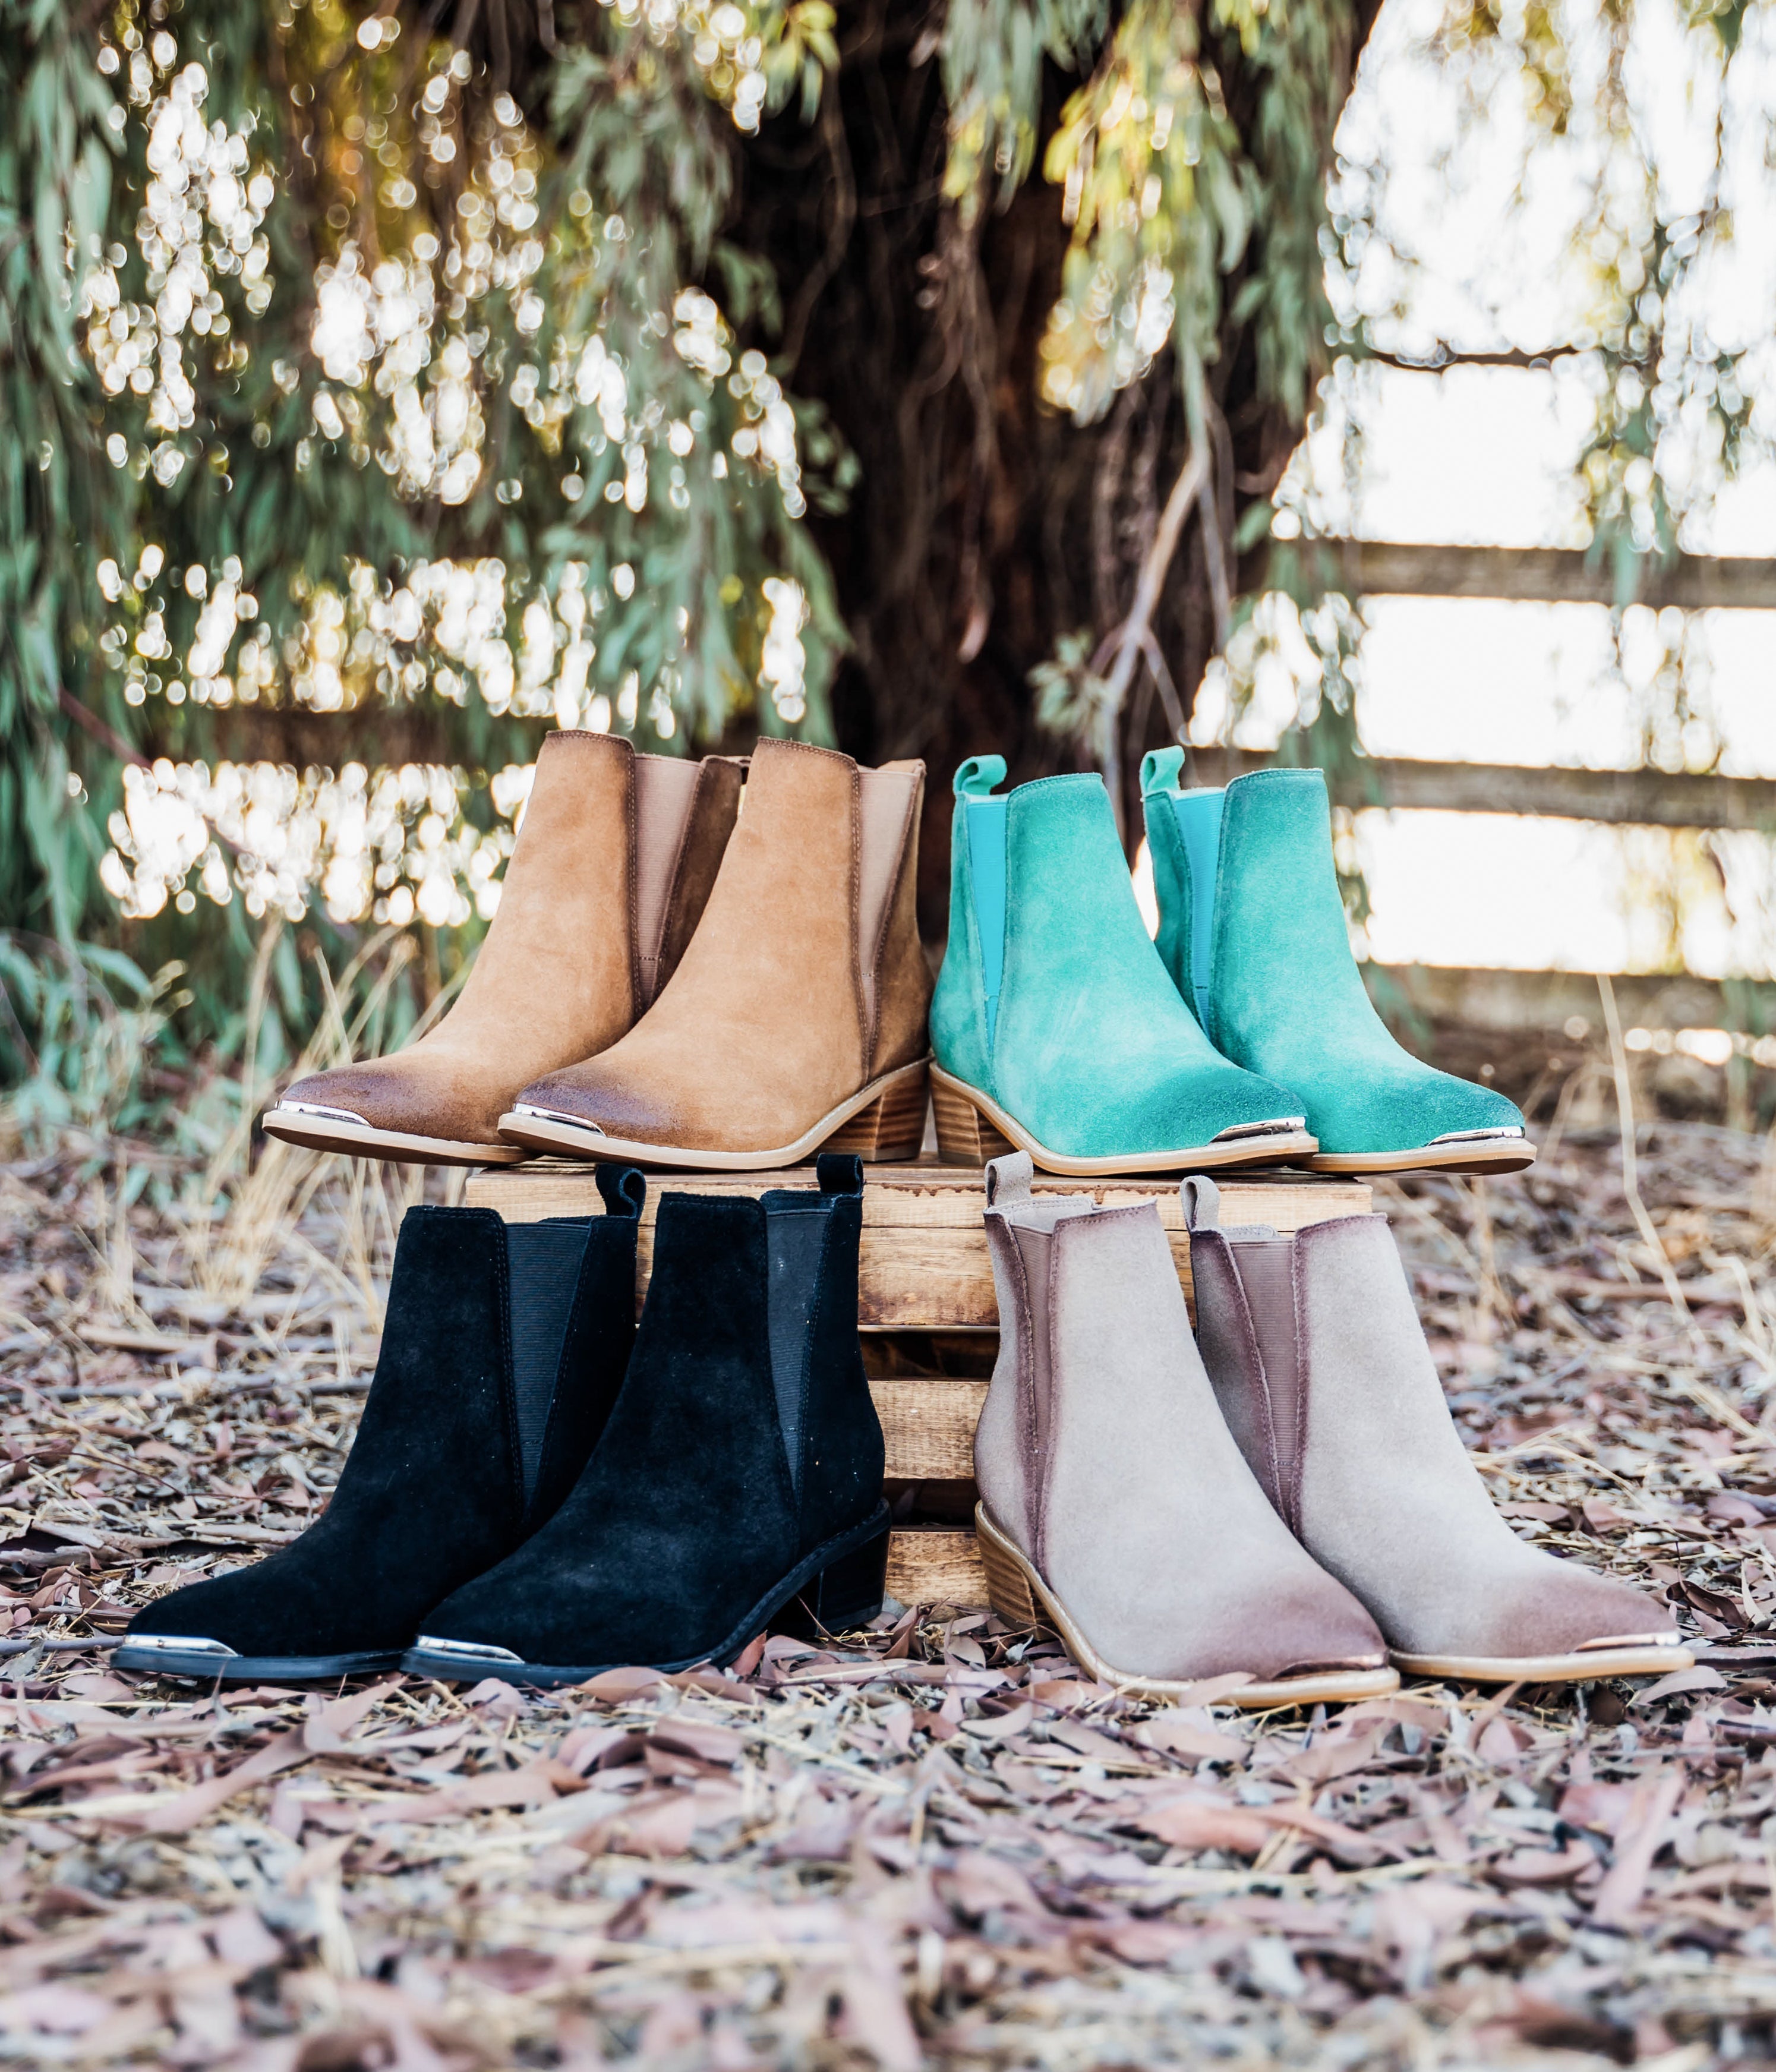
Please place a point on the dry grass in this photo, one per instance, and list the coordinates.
(933, 1844)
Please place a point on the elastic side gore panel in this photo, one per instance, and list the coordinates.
(985, 821)
(665, 792)
(1199, 822)
(1037, 1245)
(544, 1259)
(884, 798)
(794, 1236)
(1266, 1267)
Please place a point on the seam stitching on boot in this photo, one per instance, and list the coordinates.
(866, 1034)
(1024, 1394)
(1048, 1307)
(632, 817)
(1303, 1384)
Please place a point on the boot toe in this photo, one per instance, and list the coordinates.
(596, 1097)
(1316, 1625)
(386, 1093)
(1405, 1107)
(235, 1612)
(1572, 1608)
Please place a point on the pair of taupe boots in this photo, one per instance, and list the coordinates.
(1290, 1502)
(680, 972)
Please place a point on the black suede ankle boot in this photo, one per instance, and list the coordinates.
(739, 1476)
(503, 1352)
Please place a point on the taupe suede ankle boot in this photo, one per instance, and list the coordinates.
(1315, 1351)
(796, 1021)
(1114, 1504)
(613, 864)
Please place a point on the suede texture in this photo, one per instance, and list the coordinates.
(1388, 1500)
(690, 1510)
(1093, 1052)
(432, 1492)
(1286, 997)
(557, 977)
(763, 1029)
(1108, 1462)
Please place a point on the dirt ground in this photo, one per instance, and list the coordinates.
(933, 1844)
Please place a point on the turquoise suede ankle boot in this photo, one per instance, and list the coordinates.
(1253, 930)
(1054, 1027)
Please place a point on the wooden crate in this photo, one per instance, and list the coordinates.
(925, 1303)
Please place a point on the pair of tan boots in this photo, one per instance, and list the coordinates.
(1282, 1497)
(670, 979)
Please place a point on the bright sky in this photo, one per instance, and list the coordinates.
(1485, 456)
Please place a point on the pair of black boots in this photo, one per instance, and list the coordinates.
(540, 1489)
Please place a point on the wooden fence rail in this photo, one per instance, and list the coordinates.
(1643, 798)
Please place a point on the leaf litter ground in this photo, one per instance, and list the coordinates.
(935, 1844)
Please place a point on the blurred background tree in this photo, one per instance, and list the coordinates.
(384, 384)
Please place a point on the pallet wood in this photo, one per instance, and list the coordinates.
(925, 1298)
(935, 1564)
(922, 1264)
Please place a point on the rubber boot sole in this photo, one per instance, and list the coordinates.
(971, 1128)
(1020, 1597)
(883, 1123)
(363, 1140)
(1584, 1665)
(1477, 1155)
(209, 1665)
(838, 1587)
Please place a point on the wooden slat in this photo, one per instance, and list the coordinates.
(935, 1564)
(928, 1427)
(1516, 1001)
(1544, 575)
(923, 1263)
(1622, 798)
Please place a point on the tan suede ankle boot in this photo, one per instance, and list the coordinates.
(1315, 1351)
(1114, 1504)
(613, 864)
(796, 1021)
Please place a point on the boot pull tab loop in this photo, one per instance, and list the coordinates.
(839, 1172)
(978, 775)
(623, 1189)
(1160, 769)
(1008, 1180)
(1202, 1202)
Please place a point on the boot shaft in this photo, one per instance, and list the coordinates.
(1312, 1340)
(1253, 932)
(748, 1350)
(1043, 921)
(612, 868)
(819, 884)
(1251, 919)
(503, 1351)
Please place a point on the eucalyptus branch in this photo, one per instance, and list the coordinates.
(1126, 643)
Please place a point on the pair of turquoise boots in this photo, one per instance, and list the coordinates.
(1244, 1037)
